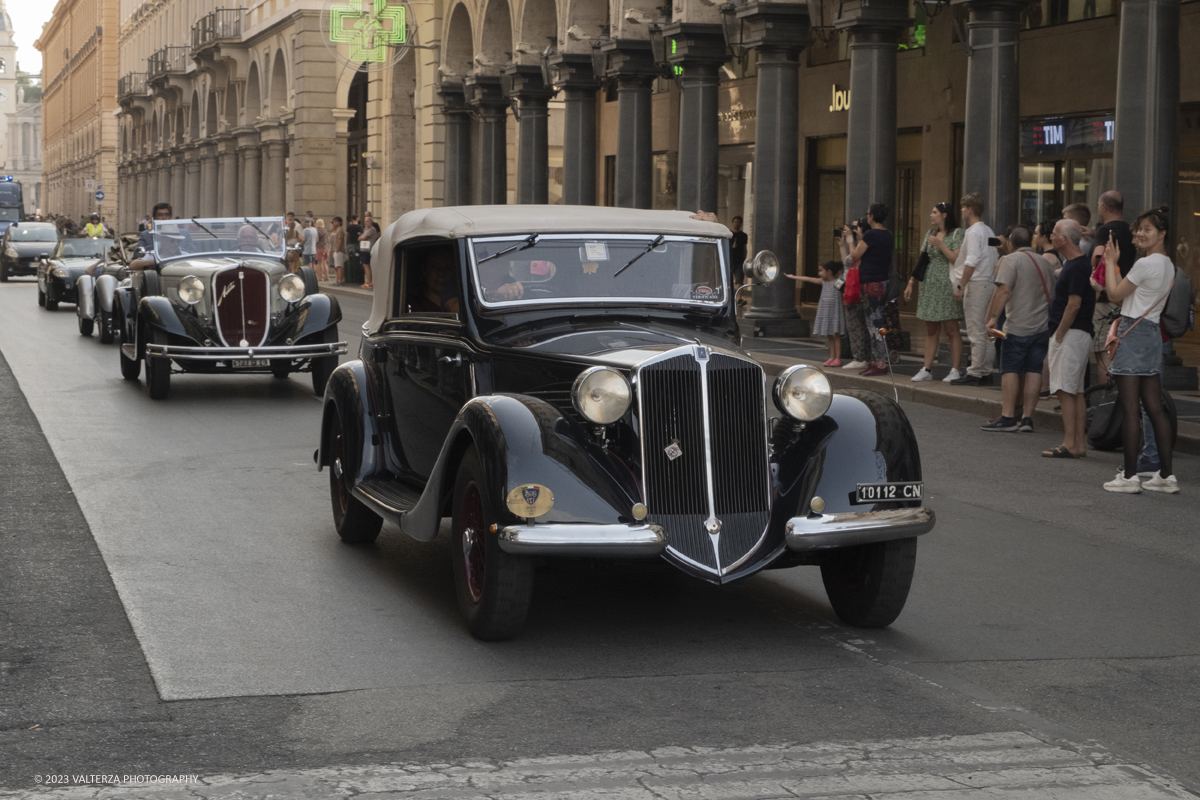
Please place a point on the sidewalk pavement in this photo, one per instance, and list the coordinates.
(778, 354)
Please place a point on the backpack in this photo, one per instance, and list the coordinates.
(1176, 317)
(1105, 421)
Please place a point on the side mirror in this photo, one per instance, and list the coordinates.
(763, 268)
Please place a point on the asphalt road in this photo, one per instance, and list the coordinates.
(173, 600)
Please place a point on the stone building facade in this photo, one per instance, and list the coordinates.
(79, 129)
(23, 149)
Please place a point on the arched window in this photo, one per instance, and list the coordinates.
(1, 65)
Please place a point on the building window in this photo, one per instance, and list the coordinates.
(1, 65)
(665, 185)
(1187, 204)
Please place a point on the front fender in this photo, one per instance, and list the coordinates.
(85, 298)
(106, 287)
(864, 438)
(350, 397)
(524, 440)
(161, 313)
(311, 316)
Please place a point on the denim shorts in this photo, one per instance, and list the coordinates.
(1024, 353)
(310, 258)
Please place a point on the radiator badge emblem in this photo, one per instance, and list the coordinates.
(673, 450)
(225, 292)
(530, 500)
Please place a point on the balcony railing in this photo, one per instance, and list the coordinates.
(130, 85)
(168, 59)
(223, 23)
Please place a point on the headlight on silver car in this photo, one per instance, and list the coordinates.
(191, 290)
(803, 392)
(601, 395)
(291, 288)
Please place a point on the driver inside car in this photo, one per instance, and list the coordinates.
(440, 292)
(247, 240)
(497, 282)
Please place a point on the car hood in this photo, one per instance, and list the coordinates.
(34, 249)
(618, 344)
(205, 266)
(75, 267)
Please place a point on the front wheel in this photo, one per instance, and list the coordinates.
(352, 520)
(85, 326)
(51, 298)
(494, 588)
(107, 327)
(324, 366)
(3, 272)
(41, 297)
(158, 368)
(868, 584)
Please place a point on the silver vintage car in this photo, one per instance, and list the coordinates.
(220, 299)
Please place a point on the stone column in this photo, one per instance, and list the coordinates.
(250, 171)
(871, 123)
(1146, 145)
(533, 146)
(274, 169)
(700, 51)
(779, 32)
(144, 187)
(991, 138)
(139, 189)
(162, 191)
(227, 175)
(456, 166)
(489, 164)
(579, 85)
(191, 183)
(631, 62)
(208, 180)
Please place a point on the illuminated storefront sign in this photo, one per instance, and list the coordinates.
(1068, 136)
(369, 27)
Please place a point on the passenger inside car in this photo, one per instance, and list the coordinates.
(432, 284)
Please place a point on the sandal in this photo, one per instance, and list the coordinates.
(1060, 451)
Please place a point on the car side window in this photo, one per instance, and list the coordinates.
(430, 284)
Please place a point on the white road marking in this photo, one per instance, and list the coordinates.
(1011, 765)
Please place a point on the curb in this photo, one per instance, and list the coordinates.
(982, 402)
(347, 291)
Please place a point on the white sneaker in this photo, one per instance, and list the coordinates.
(854, 365)
(923, 375)
(1126, 485)
(953, 376)
(1160, 484)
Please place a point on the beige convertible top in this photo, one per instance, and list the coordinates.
(456, 222)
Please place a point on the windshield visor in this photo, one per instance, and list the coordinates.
(183, 237)
(584, 269)
(84, 248)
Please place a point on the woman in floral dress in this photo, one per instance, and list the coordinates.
(936, 306)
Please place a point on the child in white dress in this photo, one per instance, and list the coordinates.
(829, 322)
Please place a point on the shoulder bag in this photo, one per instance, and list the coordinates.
(1113, 340)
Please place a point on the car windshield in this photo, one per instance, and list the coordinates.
(84, 248)
(10, 214)
(179, 237)
(34, 233)
(636, 268)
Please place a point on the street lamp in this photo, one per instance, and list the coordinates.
(599, 60)
(732, 27)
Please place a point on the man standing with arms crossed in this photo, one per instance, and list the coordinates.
(972, 276)
(1071, 311)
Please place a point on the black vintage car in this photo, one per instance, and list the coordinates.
(58, 275)
(23, 245)
(220, 299)
(568, 383)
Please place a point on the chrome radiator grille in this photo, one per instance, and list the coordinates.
(713, 496)
(242, 301)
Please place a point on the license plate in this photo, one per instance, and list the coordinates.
(868, 493)
(251, 363)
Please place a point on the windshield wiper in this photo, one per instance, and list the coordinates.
(529, 242)
(201, 227)
(260, 230)
(634, 260)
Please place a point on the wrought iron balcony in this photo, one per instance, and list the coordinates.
(131, 85)
(166, 61)
(223, 24)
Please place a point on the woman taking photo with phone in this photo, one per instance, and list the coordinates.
(936, 306)
(856, 317)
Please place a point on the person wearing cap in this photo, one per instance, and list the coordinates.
(162, 212)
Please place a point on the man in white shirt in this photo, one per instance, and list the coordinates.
(973, 274)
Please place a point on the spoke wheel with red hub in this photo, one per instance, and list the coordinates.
(494, 587)
(352, 520)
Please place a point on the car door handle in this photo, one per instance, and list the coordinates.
(455, 359)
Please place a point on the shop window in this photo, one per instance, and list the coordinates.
(1186, 240)
(665, 183)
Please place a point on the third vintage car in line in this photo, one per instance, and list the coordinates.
(568, 383)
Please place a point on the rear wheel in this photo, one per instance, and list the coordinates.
(3, 272)
(868, 584)
(352, 520)
(494, 588)
(158, 368)
(324, 366)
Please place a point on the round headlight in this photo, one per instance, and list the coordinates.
(763, 268)
(803, 392)
(291, 288)
(601, 395)
(191, 290)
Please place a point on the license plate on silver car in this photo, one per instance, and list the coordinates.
(251, 363)
(867, 493)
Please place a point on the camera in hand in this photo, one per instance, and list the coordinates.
(994, 242)
(837, 233)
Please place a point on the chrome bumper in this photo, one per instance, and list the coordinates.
(281, 353)
(825, 531)
(599, 541)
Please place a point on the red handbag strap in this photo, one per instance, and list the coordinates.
(1042, 278)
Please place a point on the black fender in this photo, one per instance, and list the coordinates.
(863, 438)
(123, 307)
(311, 316)
(523, 440)
(350, 394)
(159, 312)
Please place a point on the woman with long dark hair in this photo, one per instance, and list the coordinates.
(1137, 364)
(936, 306)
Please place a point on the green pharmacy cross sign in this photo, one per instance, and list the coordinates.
(369, 27)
